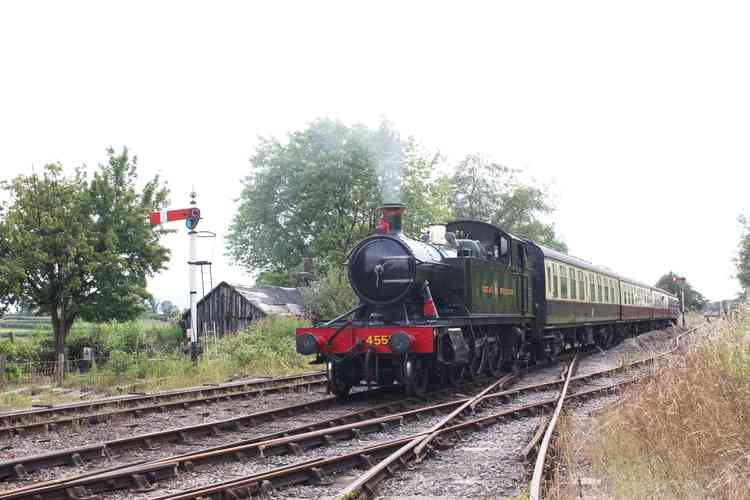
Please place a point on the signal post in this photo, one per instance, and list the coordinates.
(191, 216)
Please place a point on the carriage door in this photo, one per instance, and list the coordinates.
(519, 272)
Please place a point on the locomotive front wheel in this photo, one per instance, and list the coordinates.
(339, 381)
(416, 377)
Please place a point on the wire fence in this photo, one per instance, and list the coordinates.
(117, 365)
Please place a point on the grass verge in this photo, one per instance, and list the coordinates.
(683, 433)
(266, 348)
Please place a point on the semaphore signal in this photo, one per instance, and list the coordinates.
(191, 216)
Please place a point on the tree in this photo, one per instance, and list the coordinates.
(488, 191)
(278, 278)
(151, 305)
(168, 309)
(313, 195)
(743, 257)
(81, 249)
(424, 190)
(694, 300)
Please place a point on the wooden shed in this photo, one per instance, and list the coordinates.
(230, 307)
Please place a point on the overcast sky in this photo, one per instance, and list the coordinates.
(638, 113)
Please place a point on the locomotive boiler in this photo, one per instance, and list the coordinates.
(467, 299)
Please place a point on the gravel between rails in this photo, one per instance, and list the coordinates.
(488, 464)
(20, 446)
(210, 474)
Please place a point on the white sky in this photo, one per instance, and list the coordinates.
(637, 112)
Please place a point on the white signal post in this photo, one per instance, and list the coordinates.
(191, 216)
(193, 289)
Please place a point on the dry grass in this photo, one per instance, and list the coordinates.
(685, 433)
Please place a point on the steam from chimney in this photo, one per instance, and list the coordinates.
(388, 154)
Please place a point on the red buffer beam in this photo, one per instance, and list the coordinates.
(164, 216)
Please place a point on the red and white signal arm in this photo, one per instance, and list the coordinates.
(164, 216)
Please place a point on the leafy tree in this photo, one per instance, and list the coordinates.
(151, 305)
(316, 193)
(488, 191)
(424, 191)
(743, 258)
(694, 300)
(313, 195)
(168, 309)
(278, 278)
(81, 249)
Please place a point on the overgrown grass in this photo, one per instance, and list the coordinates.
(265, 348)
(683, 433)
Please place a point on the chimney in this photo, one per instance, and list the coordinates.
(392, 213)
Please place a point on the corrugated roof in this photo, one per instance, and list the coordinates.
(276, 300)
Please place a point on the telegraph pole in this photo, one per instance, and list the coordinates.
(682, 301)
(680, 282)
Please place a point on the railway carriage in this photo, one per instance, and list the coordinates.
(469, 298)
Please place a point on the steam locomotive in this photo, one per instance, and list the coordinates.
(469, 298)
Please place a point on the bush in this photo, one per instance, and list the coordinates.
(267, 346)
(329, 296)
(35, 350)
(142, 336)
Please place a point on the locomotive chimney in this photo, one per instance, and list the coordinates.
(392, 213)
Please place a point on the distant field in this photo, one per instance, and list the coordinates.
(23, 326)
(24, 322)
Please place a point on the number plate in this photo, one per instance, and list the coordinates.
(377, 339)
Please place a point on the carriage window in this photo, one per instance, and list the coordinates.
(573, 285)
(581, 286)
(554, 280)
(563, 282)
(592, 288)
(549, 279)
(606, 290)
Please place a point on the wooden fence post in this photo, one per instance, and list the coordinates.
(3, 364)
(60, 368)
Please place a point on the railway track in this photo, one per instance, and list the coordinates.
(381, 460)
(141, 476)
(24, 467)
(94, 412)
